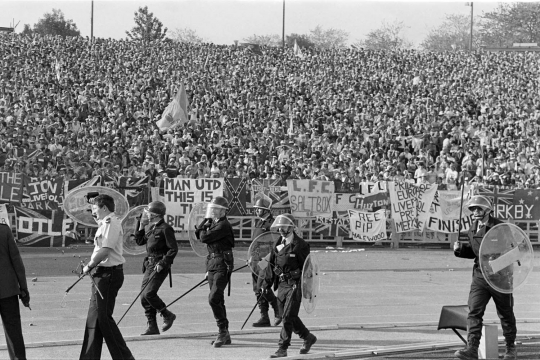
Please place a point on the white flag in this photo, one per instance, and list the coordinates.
(297, 50)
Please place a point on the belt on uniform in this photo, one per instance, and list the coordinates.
(156, 257)
(110, 268)
(215, 255)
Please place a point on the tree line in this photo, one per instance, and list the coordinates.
(509, 23)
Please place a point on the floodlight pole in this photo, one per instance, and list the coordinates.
(92, 22)
(470, 44)
(283, 29)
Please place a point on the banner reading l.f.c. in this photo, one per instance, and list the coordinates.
(368, 226)
(309, 198)
(410, 204)
(181, 194)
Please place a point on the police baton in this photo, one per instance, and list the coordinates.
(144, 287)
(235, 270)
(187, 292)
(252, 310)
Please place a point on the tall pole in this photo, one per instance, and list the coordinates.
(92, 23)
(470, 44)
(283, 29)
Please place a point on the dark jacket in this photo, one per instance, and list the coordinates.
(13, 277)
(471, 250)
(219, 239)
(160, 242)
(262, 226)
(289, 260)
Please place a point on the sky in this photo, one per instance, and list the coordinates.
(224, 21)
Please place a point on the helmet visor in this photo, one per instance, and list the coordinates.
(214, 211)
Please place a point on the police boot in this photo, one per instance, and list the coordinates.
(152, 328)
(279, 354)
(277, 315)
(223, 338)
(263, 321)
(511, 352)
(471, 350)
(168, 319)
(308, 343)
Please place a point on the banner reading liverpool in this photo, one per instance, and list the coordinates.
(445, 211)
(410, 204)
(181, 194)
(309, 198)
(368, 226)
(42, 193)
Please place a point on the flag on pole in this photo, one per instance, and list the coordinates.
(297, 50)
(176, 113)
(253, 48)
(291, 125)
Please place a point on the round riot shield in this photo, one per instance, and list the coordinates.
(310, 283)
(259, 252)
(506, 257)
(79, 210)
(129, 226)
(196, 216)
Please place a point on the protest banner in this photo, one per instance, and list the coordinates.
(181, 194)
(410, 204)
(368, 226)
(235, 192)
(42, 193)
(10, 187)
(445, 210)
(4, 215)
(275, 189)
(43, 227)
(310, 198)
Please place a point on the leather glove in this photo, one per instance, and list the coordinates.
(25, 297)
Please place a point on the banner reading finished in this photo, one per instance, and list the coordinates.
(181, 194)
(309, 198)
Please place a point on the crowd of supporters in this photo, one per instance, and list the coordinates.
(75, 108)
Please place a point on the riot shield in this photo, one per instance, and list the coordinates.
(259, 252)
(506, 257)
(310, 283)
(196, 216)
(129, 226)
(79, 210)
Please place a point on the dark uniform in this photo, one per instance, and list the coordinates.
(161, 248)
(219, 238)
(481, 292)
(287, 264)
(268, 297)
(12, 284)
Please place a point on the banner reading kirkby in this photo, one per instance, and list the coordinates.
(444, 213)
(410, 204)
(368, 226)
(181, 194)
(309, 198)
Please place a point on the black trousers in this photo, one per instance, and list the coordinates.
(11, 320)
(479, 296)
(266, 299)
(150, 300)
(217, 281)
(100, 323)
(291, 321)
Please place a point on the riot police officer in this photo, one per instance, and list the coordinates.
(287, 259)
(263, 211)
(161, 250)
(217, 233)
(480, 291)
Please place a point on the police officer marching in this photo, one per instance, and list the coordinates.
(216, 232)
(161, 249)
(287, 259)
(480, 291)
(265, 219)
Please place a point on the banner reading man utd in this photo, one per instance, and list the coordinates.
(309, 198)
(181, 194)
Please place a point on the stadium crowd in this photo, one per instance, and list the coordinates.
(74, 108)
